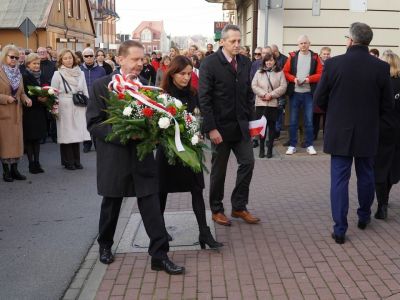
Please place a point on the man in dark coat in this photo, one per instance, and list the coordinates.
(120, 173)
(355, 91)
(226, 103)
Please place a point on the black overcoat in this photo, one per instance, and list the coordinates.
(225, 96)
(387, 160)
(119, 172)
(355, 91)
(34, 117)
(178, 178)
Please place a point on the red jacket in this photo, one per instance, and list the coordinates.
(290, 71)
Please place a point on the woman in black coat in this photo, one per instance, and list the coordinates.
(35, 117)
(178, 178)
(387, 161)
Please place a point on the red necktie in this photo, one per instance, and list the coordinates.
(234, 63)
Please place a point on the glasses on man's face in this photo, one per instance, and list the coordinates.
(87, 56)
(257, 53)
(13, 57)
(42, 52)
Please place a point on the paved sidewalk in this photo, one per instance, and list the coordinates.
(289, 255)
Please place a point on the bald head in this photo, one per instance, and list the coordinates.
(304, 43)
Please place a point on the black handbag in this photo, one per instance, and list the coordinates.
(79, 98)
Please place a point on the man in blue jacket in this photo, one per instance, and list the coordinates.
(92, 72)
(355, 91)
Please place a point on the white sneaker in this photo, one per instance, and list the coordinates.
(311, 150)
(291, 150)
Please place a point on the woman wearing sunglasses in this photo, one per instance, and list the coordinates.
(12, 97)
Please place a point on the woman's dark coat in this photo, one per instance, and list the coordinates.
(34, 117)
(178, 178)
(387, 161)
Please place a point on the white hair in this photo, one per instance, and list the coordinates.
(303, 37)
(87, 51)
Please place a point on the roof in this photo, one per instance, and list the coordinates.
(13, 13)
(155, 26)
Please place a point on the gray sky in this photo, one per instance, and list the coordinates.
(181, 17)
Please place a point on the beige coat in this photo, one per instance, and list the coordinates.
(261, 86)
(71, 122)
(11, 136)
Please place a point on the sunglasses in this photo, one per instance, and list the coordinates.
(257, 53)
(13, 57)
(87, 56)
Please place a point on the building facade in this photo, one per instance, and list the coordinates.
(105, 18)
(326, 22)
(152, 35)
(59, 23)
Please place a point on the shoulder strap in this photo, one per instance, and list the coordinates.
(269, 81)
(66, 84)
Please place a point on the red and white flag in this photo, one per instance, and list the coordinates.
(258, 127)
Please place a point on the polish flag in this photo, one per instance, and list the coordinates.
(258, 127)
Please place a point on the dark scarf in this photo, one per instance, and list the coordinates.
(36, 75)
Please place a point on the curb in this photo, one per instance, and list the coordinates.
(86, 281)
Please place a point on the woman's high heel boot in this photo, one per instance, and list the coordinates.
(206, 238)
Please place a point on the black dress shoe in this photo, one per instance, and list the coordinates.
(70, 167)
(167, 266)
(39, 168)
(78, 166)
(15, 174)
(106, 256)
(338, 238)
(363, 225)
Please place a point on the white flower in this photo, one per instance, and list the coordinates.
(178, 103)
(127, 111)
(195, 139)
(193, 118)
(38, 88)
(164, 122)
(164, 98)
(50, 91)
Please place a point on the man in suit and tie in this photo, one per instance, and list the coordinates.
(120, 173)
(355, 91)
(226, 103)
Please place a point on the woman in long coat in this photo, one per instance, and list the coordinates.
(71, 122)
(387, 160)
(12, 97)
(178, 178)
(35, 117)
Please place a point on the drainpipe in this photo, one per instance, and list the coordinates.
(255, 23)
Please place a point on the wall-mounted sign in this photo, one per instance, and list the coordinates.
(61, 40)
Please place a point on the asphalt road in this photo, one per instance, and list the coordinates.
(47, 224)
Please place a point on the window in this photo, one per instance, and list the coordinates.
(146, 36)
(358, 5)
(78, 9)
(148, 49)
(154, 48)
(70, 8)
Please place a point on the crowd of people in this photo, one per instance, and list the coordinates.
(356, 95)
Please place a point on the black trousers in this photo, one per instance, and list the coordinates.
(382, 190)
(243, 151)
(149, 207)
(198, 206)
(32, 149)
(316, 123)
(271, 114)
(70, 154)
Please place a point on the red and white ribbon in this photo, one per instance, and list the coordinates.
(121, 85)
